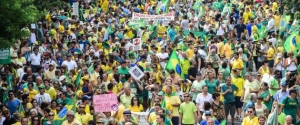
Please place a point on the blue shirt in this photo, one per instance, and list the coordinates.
(172, 34)
(279, 95)
(204, 122)
(249, 28)
(84, 42)
(12, 105)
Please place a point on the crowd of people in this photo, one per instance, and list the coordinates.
(234, 73)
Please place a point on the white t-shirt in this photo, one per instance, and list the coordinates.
(42, 98)
(273, 40)
(35, 59)
(2, 120)
(71, 64)
(271, 25)
(20, 72)
(201, 99)
(184, 24)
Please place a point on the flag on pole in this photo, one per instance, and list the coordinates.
(70, 106)
(77, 81)
(292, 43)
(91, 69)
(174, 64)
(21, 110)
(262, 32)
(282, 25)
(273, 117)
(163, 7)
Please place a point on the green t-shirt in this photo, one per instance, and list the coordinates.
(198, 86)
(274, 83)
(187, 110)
(225, 72)
(185, 65)
(212, 86)
(126, 100)
(289, 107)
(281, 118)
(229, 97)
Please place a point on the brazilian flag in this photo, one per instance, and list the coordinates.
(174, 64)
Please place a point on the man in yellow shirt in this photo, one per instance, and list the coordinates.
(31, 92)
(238, 81)
(161, 31)
(251, 119)
(190, 52)
(227, 49)
(174, 99)
(82, 116)
(185, 65)
(236, 62)
(49, 90)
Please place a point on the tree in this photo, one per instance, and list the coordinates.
(293, 7)
(15, 14)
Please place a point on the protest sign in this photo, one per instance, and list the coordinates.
(136, 72)
(165, 18)
(5, 56)
(137, 42)
(75, 9)
(105, 103)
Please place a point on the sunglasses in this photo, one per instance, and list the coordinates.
(81, 107)
(156, 101)
(207, 114)
(69, 115)
(186, 96)
(10, 94)
(250, 111)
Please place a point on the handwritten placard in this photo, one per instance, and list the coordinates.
(105, 102)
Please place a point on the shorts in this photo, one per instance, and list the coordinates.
(229, 108)
(238, 103)
(271, 63)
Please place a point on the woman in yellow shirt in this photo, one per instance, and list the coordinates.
(270, 56)
(135, 105)
(264, 69)
(276, 18)
(156, 74)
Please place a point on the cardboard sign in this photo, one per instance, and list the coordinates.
(105, 103)
(137, 42)
(136, 72)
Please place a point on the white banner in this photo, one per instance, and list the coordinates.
(166, 18)
(75, 9)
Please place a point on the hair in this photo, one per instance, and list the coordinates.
(138, 101)
(110, 86)
(262, 116)
(252, 96)
(252, 107)
(24, 96)
(162, 116)
(204, 86)
(206, 105)
(215, 95)
(224, 65)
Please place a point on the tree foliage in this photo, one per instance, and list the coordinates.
(15, 14)
(292, 5)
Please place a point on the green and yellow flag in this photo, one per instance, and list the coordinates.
(77, 81)
(21, 110)
(174, 64)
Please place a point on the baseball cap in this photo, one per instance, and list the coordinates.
(42, 86)
(283, 83)
(127, 112)
(207, 112)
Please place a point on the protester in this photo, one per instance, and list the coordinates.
(160, 62)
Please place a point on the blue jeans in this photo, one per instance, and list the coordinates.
(175, 120)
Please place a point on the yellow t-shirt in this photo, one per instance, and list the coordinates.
(274, 6)
(52, 92)
(247, 16)
(162, 30)
(276, 20)
(61, 28)
(120, 116)
(31, 94)
(136, 108)
(239, 83)
(248, 121)
(220, 47)
(152, 117)
(17, 123)
(190, 53)
(173, 100)
(271, 53)
(84, 119)
(237, 64)
(227, 50)
(75, 122)
(129, 32)
(116, 88)
(22, 60)
(142, 64)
